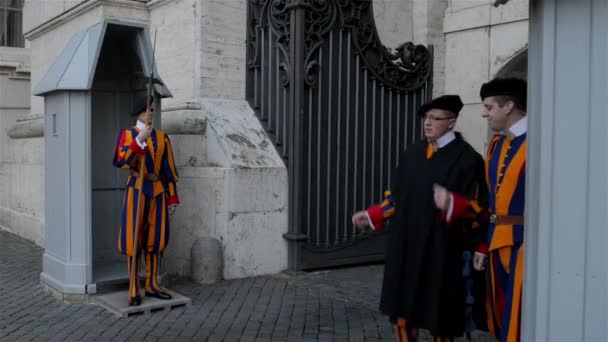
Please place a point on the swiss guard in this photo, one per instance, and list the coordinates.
(150, 197)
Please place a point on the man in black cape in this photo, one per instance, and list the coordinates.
(429, 279)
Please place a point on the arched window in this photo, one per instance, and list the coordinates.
(516, 66)
(11, 23)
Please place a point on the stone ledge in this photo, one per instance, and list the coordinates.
(481, 16)
(152, 4)
(78, 10)
(30, 127)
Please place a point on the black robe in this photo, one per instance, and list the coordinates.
(423, 276)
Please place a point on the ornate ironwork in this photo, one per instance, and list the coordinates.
(405, 69)
(339, 107)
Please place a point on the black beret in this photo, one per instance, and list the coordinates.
(514, 87)
(451, 103)
(140, 105)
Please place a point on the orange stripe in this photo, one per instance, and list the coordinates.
(504, 255)
(403, 333)
(151, 148)
(506, 146)
(171, 189)
(429, 151)
(513, 332)
(151, 221)
(506, 190)
(162, 241)
(490, 152)
(155, 271)
(396, 333)
(402, 325)
(130, 223)
(475, 206)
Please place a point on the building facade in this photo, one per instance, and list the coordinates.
(234, 185)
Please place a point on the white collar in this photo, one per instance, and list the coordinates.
(520, 127)
(140, 124)
(445, 139)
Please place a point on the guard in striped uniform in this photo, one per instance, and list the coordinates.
(429, 282)
(504, 106)
(160, 197)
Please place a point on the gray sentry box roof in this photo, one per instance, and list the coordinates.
(89, 92)
(74, 69)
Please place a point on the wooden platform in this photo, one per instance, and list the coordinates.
(117, 303)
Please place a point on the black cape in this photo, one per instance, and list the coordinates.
(423, 276)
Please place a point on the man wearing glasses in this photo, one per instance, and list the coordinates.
(429, 282)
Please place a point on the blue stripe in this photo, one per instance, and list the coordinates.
(501, 276)
(123, 226)
(518, 234)
(516, 207)
(149, 156)
(148, 188)
(506, 320)
(491, 229)
(166, 169)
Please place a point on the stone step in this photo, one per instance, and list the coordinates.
(117, 303)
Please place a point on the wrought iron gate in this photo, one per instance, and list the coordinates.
(339, 108)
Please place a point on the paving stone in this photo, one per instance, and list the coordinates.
(322, 306)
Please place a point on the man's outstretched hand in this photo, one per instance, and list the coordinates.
(442, 197)
(360, 219)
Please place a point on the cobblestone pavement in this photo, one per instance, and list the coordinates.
(328, 305)
(334, 305)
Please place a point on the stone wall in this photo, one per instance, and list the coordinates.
(480, 40)
(21, 159)
(394, 21)
(233, 184)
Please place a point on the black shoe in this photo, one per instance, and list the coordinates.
(135, 301)
(159, 295)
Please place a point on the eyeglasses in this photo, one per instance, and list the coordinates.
(434, 118)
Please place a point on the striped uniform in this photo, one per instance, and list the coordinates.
(159, 191)
(505, 174)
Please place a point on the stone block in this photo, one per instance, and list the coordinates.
(255, 190)
(207, 260)
(117, 303)
(473, 127)
(195, 217)
(467, 64)
(176, 58)
(515, 11)
(253, 243)
(506, 41)
(235, 136)
(189, 150)
(393, 21)
(467, 18)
